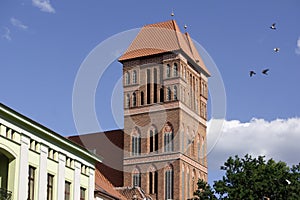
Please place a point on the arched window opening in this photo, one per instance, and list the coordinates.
(155, 86)
(162, 94)
(134, 76)
(183, 183)
(169, 183)
(153, 180)
(175, 92)
(134, 99)
(127, 101)
(168, 138)
(136, 178)
(142, 98)
(175, 70)
(153, 140)
(127, 78)
(136, 143)
(169, 94)
(168, 72)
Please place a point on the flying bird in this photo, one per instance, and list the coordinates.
(273, 26)
(252, 73)
(276, 50)
(265, 71)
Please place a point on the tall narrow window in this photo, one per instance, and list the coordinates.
(148, 86)
(142, 98)
(175, 70)
(50, 187)
(188, 184)
(136, 143)
(151, 140)
(162, 94)
(155, 86)
(153, 137)
(136, 178)
(127, 100)
(169, 94)
(193, 181)
(168, 138)
(127, 78)
(151, 182)
(199, 149)
(134, 99)
(82, 193)
(168, 71)
(67, 190)
(175, 92)
(169, 183)
(155, 182)
(134, 77)
(31, 177)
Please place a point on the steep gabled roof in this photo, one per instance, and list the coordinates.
(160, 38)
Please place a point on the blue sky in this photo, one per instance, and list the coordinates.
(43, 44)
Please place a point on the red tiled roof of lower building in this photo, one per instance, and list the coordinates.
(104, 186)
(130, 192)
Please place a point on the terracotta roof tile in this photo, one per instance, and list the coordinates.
(129, 192)
(104, 186)
(161, 38)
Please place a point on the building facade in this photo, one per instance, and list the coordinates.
(39, 164)
(165, 103)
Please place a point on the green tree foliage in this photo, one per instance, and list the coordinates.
(204, 191)
(254, 178)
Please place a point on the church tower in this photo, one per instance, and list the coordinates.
(165, 103)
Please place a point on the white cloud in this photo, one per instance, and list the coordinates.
(18, 23)
(297, 50)
(6, 34)
(44, 5)
(277, 139)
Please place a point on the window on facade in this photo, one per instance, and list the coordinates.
(175, 70)
(162, 95)
(169, 183)
(168, 72)
(153, 178)
(148, 87)
(155, 86)
(199, 150)
(136, 143)
(175, 92)
(169, 94)
(168, 138)
(188, 183)
(136, 178)
(153, 140)
(134, 99)
(127, 100)
(82, 193)
(142, 98)
(50, 187)
(127, 78)
(134, 77)
(193, 181)
(31, 177)
(67, 190)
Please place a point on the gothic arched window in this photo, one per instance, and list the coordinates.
(168, 138)
(134, 99)
(168, 72)
(169, 179)
(175, 70)
(127, 78)
(136, 178)
(175, 92)
(135, 142)
(153, 140)
(134, 76)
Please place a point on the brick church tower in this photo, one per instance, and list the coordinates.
(165, 103)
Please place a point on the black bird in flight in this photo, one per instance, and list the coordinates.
(252, 73)
(265, 71)
(273, 26)
(276, 50)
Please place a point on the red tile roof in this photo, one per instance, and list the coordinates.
(102, 185)
(130, 192)
(162, 37)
